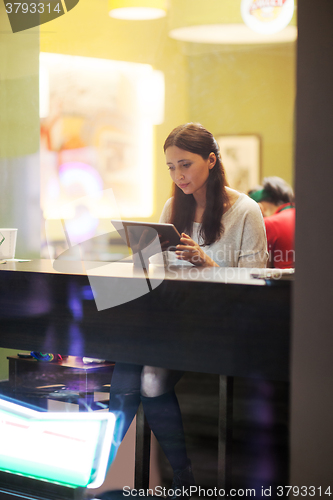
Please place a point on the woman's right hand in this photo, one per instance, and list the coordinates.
(192, 252)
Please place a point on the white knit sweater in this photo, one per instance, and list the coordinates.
(243, 243)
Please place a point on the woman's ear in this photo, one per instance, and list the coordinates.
(212, 160)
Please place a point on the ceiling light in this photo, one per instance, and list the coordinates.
(137, 10)
(209, 21)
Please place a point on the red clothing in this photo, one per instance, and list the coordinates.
(280, 231)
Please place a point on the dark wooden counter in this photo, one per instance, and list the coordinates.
(212, 320)
(206, 321)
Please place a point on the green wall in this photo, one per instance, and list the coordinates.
(19, 127)
(19, 135)
(248, 90)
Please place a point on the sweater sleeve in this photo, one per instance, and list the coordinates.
(253, 251)
(166, 212)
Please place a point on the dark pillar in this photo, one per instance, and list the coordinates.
(312, 345)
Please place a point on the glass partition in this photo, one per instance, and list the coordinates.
(87, 100)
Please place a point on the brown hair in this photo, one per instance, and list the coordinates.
(194, 138)
(277, 191)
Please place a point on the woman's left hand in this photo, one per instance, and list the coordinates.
(190, 250)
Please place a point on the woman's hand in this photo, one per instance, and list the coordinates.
(190, 250)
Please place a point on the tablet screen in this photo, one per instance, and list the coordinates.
(140, 235)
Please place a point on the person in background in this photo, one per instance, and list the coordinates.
(277, 203)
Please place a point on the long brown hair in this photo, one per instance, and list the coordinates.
(194, 138)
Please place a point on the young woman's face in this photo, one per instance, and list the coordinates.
(189, 171)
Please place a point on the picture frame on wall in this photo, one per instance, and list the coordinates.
(241, 158)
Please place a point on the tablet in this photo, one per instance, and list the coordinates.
(139, 235)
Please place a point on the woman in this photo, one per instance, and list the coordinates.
(219, 227)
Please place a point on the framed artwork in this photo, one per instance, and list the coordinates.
(241, 158)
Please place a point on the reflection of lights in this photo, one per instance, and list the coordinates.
(80, 216)
(44, 92)
(77, 174)
(151, 96)
(137, 10)
(87, 293)
(82, 174)
(76, 341)
(58, 211)
(82, 226)
(144, 164)
(84, 223)
(91, 78)
(237, 34)
(137, 14)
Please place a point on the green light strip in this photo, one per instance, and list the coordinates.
(68, 449)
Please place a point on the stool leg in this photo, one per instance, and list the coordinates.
(142, 451)
(225, 432)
